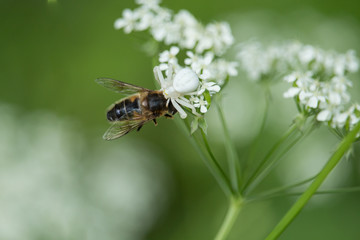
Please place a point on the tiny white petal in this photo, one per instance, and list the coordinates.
(119, 23)
(323, 116)
(174, 50)
(187, 61)
(341, 118)
(291, 92)
(335, 98)
(291, 77)
(215, 88)
(203, 109)
(313, 102)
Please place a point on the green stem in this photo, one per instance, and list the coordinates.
(215, 164)
(230, 218)
(255, 144)
(232, 156)
(305, 197)
(209, 161)
(277, 191)
(265, 172)
(257, 171)
(292, 194)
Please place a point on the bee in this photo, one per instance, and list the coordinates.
(132, 112)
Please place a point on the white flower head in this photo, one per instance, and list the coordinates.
(169, 56)
(128, 21)
(203, 71)
(209, 86)
(200, 63)
(220, 35)
(151, 4)
(200, 102)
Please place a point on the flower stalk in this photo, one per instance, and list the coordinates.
(344, 146)
(230, 218)
(208, 158)
(232, 156)
(215, 164)
(268, 156)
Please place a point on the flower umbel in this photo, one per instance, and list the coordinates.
(189, 81)
(318, 78)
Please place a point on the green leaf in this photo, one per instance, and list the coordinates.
(194, 125)
(207, 98)
(202, 124)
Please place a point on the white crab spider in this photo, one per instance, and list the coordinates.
(175, 86)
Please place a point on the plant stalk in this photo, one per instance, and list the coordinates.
(305, 197)
(232, 156)
(230, 218)
(260, 167)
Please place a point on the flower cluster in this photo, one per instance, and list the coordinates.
(191, 68)
(318, 78)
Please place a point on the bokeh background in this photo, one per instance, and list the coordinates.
(60, 180)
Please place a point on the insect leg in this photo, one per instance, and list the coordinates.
(168, 116)
(155, 122)
(139, 127)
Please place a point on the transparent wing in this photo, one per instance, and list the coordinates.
(121, 128)
(120, 87)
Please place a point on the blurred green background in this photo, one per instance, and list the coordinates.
(60, 180)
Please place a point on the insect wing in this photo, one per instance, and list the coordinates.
(120, 87)
(121, 128)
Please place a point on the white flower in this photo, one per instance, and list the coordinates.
(352, 62)
(221, 69)
(145, 18)
(151, 4)
(341, 83)
(324, 115)
(221, 36)
(291, 92)
(229, 68)
(158, 30)
(193, 59)
(205, 42)
(317, 95)
(317, 78)
(307, 54)
(190, 33)
(201, 103)
(185, 19)
(297, 75)
(210, 86)
(351, 116)
(302, 83)
(204, 45)
(201, 63)
(128, 21)
(254, 60)
(169, 56)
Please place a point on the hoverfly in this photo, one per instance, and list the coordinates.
(132, 112)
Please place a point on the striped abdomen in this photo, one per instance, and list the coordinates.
(125, 110)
